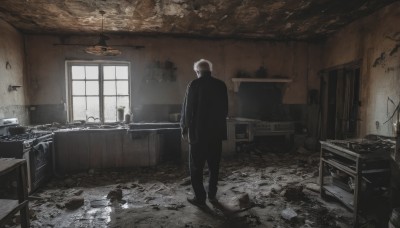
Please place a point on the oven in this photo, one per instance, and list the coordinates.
(36, 148)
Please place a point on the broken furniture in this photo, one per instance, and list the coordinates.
(36, 149)
(9, 207)
(362, 162)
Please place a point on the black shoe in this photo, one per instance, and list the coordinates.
(196, 202)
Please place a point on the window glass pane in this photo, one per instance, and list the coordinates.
(109, 88)
(93, 108)
(122, 72)
(123, 101)
(92, 72)
(92, 88)
(110, 109)
(109, 72)
(78, 72)
(122, 88)
(78, 87)
(79, 108)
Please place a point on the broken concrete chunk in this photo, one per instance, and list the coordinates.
(115, 194)
(74, 203)
(313, 187)
(244, 201)
(288, 214)
(293, 193)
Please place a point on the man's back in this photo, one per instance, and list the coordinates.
(207, 107)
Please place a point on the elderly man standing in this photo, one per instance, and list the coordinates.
(203, 118)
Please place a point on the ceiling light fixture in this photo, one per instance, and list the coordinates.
(101, 48)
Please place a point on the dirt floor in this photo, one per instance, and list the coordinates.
(255, 190)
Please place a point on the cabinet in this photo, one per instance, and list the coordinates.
(358, 167)
(9, 207)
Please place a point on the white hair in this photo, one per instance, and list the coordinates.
(202, 64)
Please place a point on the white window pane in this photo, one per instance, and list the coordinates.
(93, 107)
(123, 101)
(109, 88)
(79, 108)
(122, 72)
(92, 72)
(122, 88)
(92, 88)
(109, 72)
(78, 87)
(78, 72)
(110, 109)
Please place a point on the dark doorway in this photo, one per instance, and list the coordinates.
(340, 89)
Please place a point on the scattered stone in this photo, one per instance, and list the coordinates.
(175, 207)
(98, 203)
(186, 181)
(74, 203)
(313, 187)
(288, 214)
(115, 194)
(60, 206)
(293, 193)
(78, 192)
(244, 201)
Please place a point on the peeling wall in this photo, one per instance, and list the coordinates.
(12, 104)
(296, 60)
(374, 39)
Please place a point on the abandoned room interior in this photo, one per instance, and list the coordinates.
(96, 98)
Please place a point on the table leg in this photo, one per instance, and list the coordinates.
(23, 195)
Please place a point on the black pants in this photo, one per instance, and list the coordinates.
(201, 152)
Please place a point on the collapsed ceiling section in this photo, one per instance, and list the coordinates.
(265, 19)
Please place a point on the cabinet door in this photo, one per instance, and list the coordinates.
(71, 152)
(105, 149)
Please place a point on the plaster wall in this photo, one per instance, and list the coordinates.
(296, 60)
(12, 103)
(374, 39)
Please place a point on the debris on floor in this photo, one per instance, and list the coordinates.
(256, 189)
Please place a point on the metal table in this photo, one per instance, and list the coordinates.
(354, 166)
(9, 207)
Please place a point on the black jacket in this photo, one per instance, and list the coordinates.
(205, 109)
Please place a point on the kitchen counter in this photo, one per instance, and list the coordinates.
(135, 145)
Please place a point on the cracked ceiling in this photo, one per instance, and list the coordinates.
(265, 19)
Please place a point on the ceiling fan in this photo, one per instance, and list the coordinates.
(101, 48)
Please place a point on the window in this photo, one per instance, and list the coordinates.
(97, 89)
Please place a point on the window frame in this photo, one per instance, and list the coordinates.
(100, 64)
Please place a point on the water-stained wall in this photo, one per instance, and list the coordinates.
(12, 103)
(376, 40)
(46, 69)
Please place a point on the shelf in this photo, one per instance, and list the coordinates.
(7, 207)
(237, 81)
(341, 167)
(345, 197)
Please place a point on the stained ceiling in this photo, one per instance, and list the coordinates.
(265, 19)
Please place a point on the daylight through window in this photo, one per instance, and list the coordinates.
(96, 91)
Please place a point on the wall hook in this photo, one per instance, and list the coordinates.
(13, 88)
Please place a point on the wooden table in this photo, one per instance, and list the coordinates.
(8, 207)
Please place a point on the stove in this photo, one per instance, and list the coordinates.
(36, 148)
(365, 146)
(6, 123)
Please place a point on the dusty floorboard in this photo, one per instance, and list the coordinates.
(254, 189)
